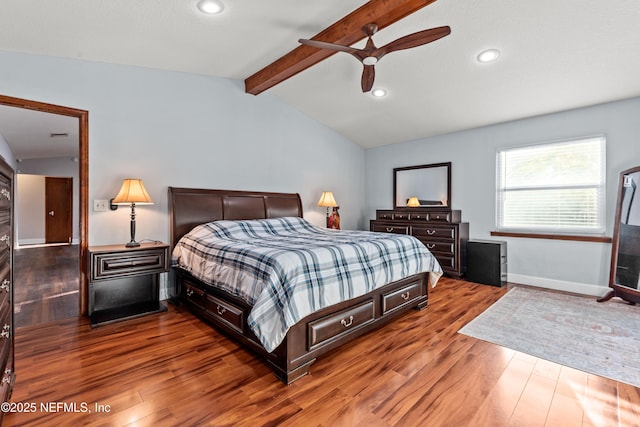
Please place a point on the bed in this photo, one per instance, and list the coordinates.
(302, 333)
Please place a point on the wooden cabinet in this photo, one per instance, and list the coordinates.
(6, 282)
(441, 231)
(124, 282)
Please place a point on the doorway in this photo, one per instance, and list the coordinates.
(82, 159)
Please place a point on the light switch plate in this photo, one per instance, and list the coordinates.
(100, 205)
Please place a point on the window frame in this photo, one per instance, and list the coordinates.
(584, 233)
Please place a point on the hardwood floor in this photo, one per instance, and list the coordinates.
(46, 283)
(170, 369)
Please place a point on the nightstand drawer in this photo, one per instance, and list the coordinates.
(125, 263)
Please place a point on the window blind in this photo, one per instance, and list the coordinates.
(552, 188)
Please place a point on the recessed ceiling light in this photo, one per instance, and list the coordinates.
(210, 7)
(378, 92)
(488, 55)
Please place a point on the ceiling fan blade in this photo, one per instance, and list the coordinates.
(331, 46)
(413, 40)
(368, 76)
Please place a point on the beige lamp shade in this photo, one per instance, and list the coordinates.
(132, 191)
(413, 202)
(327, 200)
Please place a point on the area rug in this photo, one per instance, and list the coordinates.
(599, 338)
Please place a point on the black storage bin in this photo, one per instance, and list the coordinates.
(487, 262)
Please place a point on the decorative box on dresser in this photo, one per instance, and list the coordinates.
(439, 229)
(6, 281)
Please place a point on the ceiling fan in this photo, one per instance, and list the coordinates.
(371, 54)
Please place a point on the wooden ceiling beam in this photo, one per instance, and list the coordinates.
(346, 31)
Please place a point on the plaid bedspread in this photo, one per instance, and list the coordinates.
(287, 268)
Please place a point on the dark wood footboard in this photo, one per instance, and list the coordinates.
(314, 335)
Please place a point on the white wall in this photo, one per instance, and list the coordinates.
(29, 209)
(576, 266)
(6, 153)
(178, 129)
(63, 167)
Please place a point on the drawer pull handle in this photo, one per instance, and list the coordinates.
(6, 379)
(221, 310)
(431, 232)
(431, 245)
(6, 327)
(405, 296)
(189, 292)
(389, 229)
(5, 193)
(346, 323)
(6, 239)
(5, 285)
(5, 334)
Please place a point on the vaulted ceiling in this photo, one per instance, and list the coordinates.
(554, 55)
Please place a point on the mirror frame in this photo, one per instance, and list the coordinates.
(629, 294)
(446, 165)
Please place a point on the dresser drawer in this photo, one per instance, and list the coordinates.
(5, 334)
(390, 228)
(440, 216)
(440, 247)
(446, 262)
(5, 285)
(194, 295)
(225, 313)
(398, 298)
(419, 216)
(384, 214)
(5, 193)
(327, 329)
(124, 263)
(427, 233)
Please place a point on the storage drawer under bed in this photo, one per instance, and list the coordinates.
(333, 326)
(398, 298)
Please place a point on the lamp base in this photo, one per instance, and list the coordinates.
(132, 244)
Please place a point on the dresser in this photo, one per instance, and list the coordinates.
(439, 229)
(6, 281)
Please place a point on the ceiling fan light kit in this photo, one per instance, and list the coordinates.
(370, 54)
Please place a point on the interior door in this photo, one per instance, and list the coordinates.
(59, 208)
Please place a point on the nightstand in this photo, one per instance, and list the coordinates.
(124, 282)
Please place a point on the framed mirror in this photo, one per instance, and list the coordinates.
(624, 276)
(423, 186)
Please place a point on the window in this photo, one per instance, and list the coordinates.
(556, 188)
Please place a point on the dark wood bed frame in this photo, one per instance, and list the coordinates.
(314, 335)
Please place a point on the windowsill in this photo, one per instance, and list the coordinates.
(578, 238)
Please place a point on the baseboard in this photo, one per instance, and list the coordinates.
(558, 285)
(27, 242)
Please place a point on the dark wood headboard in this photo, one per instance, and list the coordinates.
(189, 207)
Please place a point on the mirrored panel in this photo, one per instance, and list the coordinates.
(424, 186)
(628, 263)
(624, 277)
